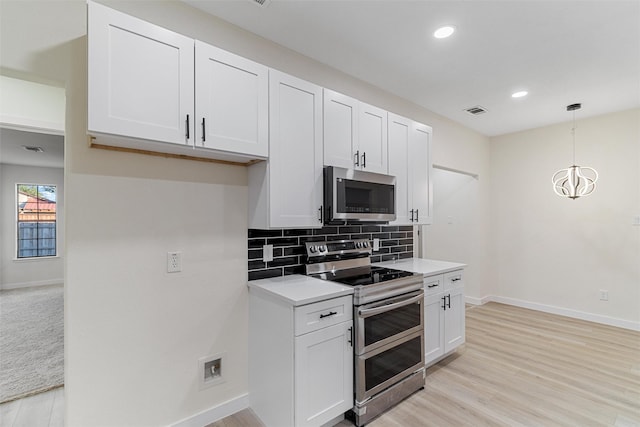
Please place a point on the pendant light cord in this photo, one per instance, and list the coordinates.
(573, 132)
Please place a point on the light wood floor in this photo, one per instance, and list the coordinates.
(523, 368)
(40, 410)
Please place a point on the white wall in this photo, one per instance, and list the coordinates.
(16, 273)
(133, 332)
(556, 252)
(32, 106)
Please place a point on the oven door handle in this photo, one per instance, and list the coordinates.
(366, 312)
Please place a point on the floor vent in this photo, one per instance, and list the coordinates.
(476, 110)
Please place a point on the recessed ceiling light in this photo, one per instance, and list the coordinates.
(444, 32)
(519, 94)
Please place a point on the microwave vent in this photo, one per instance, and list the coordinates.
(476, 110)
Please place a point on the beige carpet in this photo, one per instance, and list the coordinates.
(31, 341)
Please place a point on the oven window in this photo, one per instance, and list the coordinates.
(388, 364)
(390, 323)
(365, 197)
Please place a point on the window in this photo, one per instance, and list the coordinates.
(36, 220)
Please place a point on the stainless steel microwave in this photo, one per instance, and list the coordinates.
(358, 195)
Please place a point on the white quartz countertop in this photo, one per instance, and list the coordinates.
(426, 267)
(299, 289)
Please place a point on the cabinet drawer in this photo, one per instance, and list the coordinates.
(453, 279)
(322, 314)
(433, 284)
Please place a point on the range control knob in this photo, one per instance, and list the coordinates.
(365, 243)
(323, 248)
(313, 249)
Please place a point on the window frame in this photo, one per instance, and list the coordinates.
(17, 221)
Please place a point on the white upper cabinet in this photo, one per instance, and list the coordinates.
(340, 130)
(372, 138)
(286, 191)
(140, 78)
(149, 86)
(355, 134)
(232, 96)
(420, 167)
(410, 162)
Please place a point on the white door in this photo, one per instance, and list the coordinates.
(323, 374)
(454, 320)
(232, 102)
(340, 130)
(433, 327)
(420, 173)
(295, 154)
(372, 138)
(399, 131)
(140, 78)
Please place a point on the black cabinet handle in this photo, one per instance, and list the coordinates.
(455, 279)
(449, 301)
(417, 215)
(187, 126)
(432, 286)
(444, 303)
(364, 160)
(331, 313)
(411, 215)
(356, 162)
(320, 214)
(350, 341)
(204, 131)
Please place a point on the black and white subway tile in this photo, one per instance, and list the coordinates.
(289, 255)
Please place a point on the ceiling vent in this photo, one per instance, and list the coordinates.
(33, 148)
(476, 110)
(261, 3)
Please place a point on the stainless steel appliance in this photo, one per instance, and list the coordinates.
(388, 323)
(354, 194)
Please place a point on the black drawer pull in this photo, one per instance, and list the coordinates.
(432, 286)
(455, 279)
(331, 313)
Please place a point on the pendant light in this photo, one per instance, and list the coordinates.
(574, 181)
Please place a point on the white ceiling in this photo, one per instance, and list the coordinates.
(12, 150)
(560, 51)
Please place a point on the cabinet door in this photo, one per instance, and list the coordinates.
(324, 374)
(420, 173)
(340, 130)
(231, 102)
(454, 320)
(372, 138)
(295, 152)
(399, 131)
(140, 78)
(433, 327)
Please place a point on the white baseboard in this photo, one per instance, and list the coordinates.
(477, 301)
(576, 314)
(9, 286)
(215, 413)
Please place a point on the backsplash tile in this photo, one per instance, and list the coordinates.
(289, 254)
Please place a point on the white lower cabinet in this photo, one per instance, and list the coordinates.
(444, 315)
(300, 360)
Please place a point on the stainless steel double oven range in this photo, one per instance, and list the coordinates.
(388, 321)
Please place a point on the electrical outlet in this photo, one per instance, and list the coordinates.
(604, 295)
(267, 253)
(174, 262)
(376, 244)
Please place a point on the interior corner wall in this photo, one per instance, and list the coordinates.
(16, 273)
(560, 253)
